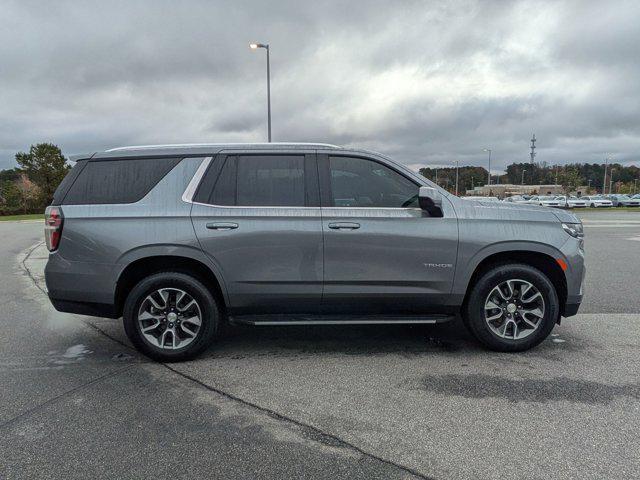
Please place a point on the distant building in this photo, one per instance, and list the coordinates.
(507, 190)
(582, 190)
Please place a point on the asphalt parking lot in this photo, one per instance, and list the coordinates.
(325, 402)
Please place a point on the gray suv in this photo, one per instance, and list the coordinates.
(179, 239)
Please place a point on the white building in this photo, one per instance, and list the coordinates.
(507, 190)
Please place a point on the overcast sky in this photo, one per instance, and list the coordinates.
(425, 82)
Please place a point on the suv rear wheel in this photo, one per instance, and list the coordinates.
(170, 316)
(512, 308)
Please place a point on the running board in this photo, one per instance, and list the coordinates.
(271, 320)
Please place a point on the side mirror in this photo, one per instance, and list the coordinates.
(430, 200)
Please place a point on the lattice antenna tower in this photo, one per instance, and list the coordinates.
(533, 149)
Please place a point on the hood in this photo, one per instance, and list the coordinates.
(566, 217)
(511, 211)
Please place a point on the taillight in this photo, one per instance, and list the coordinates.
(53, 220)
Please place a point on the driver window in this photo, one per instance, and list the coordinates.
(357, 182)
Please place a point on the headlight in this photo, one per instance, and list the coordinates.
(576, 230)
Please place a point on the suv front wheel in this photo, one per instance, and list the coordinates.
(170, 316)
(512, 308)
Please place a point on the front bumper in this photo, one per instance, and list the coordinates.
(571, 308)
(574, 275)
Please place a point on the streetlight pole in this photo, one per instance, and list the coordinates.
(635, 188)
(457, 165)
(611, 179)
(488, 150)
(604, 180)
(523, 170)
(255, 46)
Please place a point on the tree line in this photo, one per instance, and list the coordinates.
(620, 179)
(29, 187)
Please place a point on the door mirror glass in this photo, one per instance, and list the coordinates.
(430, 200)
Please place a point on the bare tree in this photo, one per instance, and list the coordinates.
(28, 192)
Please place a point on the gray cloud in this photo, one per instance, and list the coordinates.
(424, 81)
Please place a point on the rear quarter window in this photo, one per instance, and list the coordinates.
(117, 181)
(67, 181)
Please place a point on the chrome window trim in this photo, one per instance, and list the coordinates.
(190, 191)
(305, 208)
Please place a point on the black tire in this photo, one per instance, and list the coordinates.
(474, 313)
(207, 303)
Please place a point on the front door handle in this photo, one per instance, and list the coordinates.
(222, 226)
(344, 226)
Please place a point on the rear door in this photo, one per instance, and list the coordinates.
(257, 216)
(382, 253)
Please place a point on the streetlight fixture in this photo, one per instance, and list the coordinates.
(523, 170)
(255, 46)
(488, 150)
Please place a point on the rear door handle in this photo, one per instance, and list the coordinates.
(222, 226)
(344, 226)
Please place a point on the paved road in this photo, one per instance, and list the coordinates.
(613, 256)
(352, 402)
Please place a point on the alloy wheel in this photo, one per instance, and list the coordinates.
(169, 318)
(514, 309)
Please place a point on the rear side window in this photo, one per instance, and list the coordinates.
(117, 181)
(260, 181)
(270, 180)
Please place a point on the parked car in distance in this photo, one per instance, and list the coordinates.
(178, 240)
(571, 201)
(621, 200)
(516, 199)
(486, 199)
(636, 196)
(598, 201)
(545, 200)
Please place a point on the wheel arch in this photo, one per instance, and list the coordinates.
(542, 261)
(144, 266)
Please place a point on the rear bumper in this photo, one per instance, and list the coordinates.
(80, 287)
(85, 308)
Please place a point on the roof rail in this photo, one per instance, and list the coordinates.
(200, 145)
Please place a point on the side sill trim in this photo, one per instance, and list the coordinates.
(276, 320)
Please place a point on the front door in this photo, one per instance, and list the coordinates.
(382, 253)
(257, 216)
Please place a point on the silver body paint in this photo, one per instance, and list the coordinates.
(288, 259)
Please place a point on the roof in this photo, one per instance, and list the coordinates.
(194, 149)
